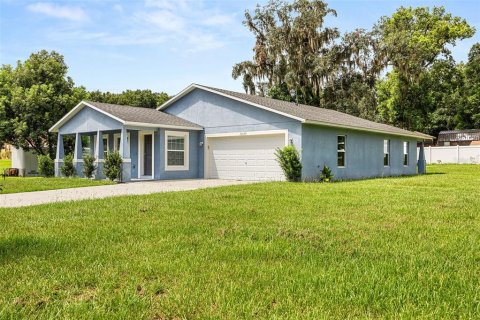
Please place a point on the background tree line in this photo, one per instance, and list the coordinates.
(400, 72)
(36, 93)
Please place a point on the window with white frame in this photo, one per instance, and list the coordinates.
(117, 139)
(386, 153)
(106, 146)
(341, 148)
(406, 145)
(176, 150)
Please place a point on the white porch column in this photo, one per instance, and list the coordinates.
(60, 149)
(124, 144)
(77, 154)
(99, 155)
(91, 144)
(60, 155)
(125, 154)
(99, 146)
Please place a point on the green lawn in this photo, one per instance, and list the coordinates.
(19, 184)
(5, 163)
(396, 248)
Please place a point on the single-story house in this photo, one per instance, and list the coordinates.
(468, 137)
(205, 132)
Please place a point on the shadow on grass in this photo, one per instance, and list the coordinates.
(16, 248)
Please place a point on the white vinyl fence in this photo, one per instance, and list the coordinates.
(454, 154)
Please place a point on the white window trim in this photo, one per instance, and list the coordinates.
(116, 136)
(408, 153)
(388, 153)
(185, 135)
(105, 136)
(141, 135)
(344, 151)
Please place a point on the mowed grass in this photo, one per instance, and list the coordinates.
(397, 248)
(28, 184)
(4, 164)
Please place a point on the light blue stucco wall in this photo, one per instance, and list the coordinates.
(195, 162)
(159, 155)
(364, 153)
(89, 120)
(318, 145)
(219, 114)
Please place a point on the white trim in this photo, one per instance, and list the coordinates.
(249, 133)
(196, 86)
(186, 146)
(326, 124)
(105, 136)
(406, 154)
(206, 151)
(388, 152)
(119, 135)
(344, 150)
(153, 125)
(77, 109)
(140, 146)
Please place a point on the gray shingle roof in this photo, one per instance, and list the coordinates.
(143, 115)
(321, 115)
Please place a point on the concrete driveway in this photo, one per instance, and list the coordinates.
(98, 192)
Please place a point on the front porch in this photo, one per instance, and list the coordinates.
(135, 146)
(152, 144)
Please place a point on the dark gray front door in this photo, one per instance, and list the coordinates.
(147, 155)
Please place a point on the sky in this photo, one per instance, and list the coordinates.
(162, 45)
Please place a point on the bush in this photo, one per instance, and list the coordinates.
(112, 167)
(326, 174)
(5, 154)
(89, 166)
(46, 166)
(68, 169)
(289, 160)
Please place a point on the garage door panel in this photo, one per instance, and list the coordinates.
(249, 157)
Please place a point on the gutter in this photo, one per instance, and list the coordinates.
(420, 136)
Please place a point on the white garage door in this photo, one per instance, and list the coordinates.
(249, 157)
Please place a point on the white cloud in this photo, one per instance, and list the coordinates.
(187, 26)
(186, 23)
(162, 4)
(57, 11)
(118, 7)
(173, 5)
(165, 20)
(203, 42)
(217, 20)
